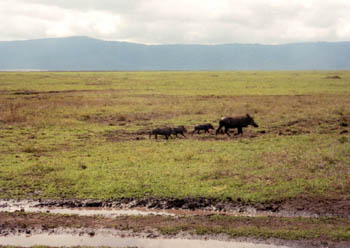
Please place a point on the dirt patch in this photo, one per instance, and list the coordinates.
(248, 134)
(4, 92)
(139, 119)
(305, 126)
(333, 77)
(319, 206)
(123, 135)
(30, 92)
(143, 134)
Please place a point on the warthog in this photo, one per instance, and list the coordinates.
(166, 131)
(236, 122)
(179, 130)
(204, 127)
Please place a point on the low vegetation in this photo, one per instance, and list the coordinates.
(85, 135)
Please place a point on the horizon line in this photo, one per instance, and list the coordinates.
(173, 44)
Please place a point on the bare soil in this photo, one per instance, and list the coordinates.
(333, 77)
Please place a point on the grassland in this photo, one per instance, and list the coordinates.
(82, 135)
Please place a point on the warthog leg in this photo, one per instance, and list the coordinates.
(227, 131)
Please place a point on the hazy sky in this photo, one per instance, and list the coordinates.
(178, 21)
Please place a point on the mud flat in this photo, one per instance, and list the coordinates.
(109, 238)
(30, 228)
(114, 238)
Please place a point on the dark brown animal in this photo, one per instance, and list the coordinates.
(179, 130)
(238, 122)
(204, 127)
(166, 131)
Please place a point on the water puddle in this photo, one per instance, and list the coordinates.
(110, 240)
(35, 207)
(32, 206)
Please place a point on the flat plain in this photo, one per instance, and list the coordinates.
(84, 135)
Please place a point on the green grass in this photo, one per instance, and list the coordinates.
(183, 83)
(265, 228)
(73, 135)
(256, 170)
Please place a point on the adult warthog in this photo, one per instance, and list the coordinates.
(166, 131)
(238, 122)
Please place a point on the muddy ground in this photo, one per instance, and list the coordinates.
(289, 223)
(310, 207)
(197, 227)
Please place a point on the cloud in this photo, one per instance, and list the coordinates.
(28, 21)
(178, 21)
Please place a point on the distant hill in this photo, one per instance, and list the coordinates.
(83, 53)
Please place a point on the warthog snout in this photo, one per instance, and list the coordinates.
(251, 121)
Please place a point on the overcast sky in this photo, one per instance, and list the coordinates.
(178, 21)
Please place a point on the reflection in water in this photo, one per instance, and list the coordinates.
(31, 207)
(110, 240)
(102, 237)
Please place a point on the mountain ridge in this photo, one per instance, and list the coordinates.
(84, 53)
